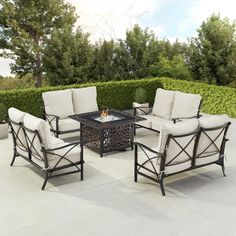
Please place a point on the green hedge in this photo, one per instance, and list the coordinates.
(119, 94)
(216, 100)
(114, 94)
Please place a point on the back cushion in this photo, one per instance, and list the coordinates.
(58, 103)
(175, 159)
(85, 100)
(185, 105)
(179, 128)
(17, 116)
(207, 122)
(212, 121)
(163, 103)
(33, 123)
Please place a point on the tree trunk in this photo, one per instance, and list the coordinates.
(38, 71)
(38, 80)
(38, 75)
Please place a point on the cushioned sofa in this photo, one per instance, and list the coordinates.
(183, 146)
(60, 104)
(168, 107)
(33, 141)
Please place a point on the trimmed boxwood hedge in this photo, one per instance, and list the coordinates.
(216, 100)
(114, 94)
(119, 95)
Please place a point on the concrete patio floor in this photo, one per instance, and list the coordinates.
(109, 203)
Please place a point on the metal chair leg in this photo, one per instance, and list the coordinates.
(82, 171)
(223, 167)
(82, 160)
(162, 186)
(13, 159)
(135, 163)
(45, 181)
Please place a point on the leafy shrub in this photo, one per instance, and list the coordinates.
(216, 99)
(175, 68)
(3, 113)
(120, 94)
(114, 94)
(27, 81)
(140, 95)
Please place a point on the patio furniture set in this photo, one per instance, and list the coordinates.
(186, 140)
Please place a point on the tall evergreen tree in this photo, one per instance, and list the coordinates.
(212, 54)
(68, 57)
(136, 53)
(26, 26)
(103, 68)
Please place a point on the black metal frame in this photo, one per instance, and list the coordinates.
(173, 119)
(53, 118)
(159, 174)
(43, 155)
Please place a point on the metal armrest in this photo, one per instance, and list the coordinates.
(142, 109)
(46, 114)
(50, 120)
(146, 147)
(183, 118)
(61, 147)
(64, 157)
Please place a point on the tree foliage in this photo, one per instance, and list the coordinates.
(212, 55)
(103, 68)
(68, 57)
(26, 26)
(135, 53)
(41, 37)
(175, 68)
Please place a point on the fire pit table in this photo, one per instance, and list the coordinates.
(106, 134)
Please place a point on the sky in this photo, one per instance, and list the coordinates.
(170, 19)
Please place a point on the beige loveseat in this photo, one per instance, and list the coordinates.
(60, 104)
(32, 140)
(183, 146)
(170, 106)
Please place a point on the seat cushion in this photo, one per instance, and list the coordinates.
(85, 100)
(150, 165)
(50, 142)
(17, 116)
(205, 153)
(178, 167)
(23, 152)
(155, 165)
(185, 105)
(153, 122)
(58, 103)
(163, 103)
(66, 124)
(54, 141)
(72, 156)
(145, 123)
(157, 123)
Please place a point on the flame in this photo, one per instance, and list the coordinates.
(104, 113)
